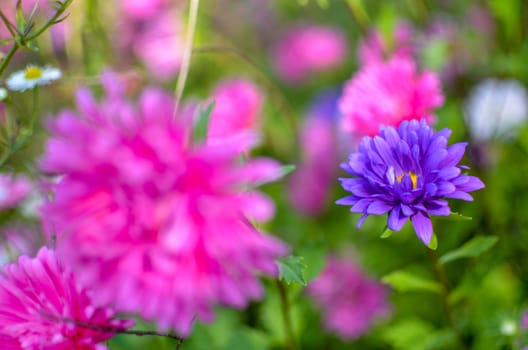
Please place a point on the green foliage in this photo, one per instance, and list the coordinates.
(292, 269)
(471, 249)
(404, 281)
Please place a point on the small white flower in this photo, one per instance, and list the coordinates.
(495, 108)
(3, 94)
(32, 76)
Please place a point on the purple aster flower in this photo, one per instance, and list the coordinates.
(407, 172)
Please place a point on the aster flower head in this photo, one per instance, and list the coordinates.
(32, 76)
(386, 93)
(173, 215)
(351, 301)
(39, 299)
(408, 173)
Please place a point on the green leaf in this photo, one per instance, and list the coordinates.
(386, 233)
(20, 20)
(202, 122)
(286, 169)
(404, 281)
(459, 217)
(471, 249)
(291, 269)
(433, 244)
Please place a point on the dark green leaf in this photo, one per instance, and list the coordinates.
(471, 249)
(291, 269)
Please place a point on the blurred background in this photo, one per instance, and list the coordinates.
(298, 55)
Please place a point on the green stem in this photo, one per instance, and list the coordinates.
(187, 53)
(442, 278)
(8, 58)
(286, 316)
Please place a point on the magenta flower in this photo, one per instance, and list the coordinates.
(375, 50)
(304, 50)
(173, 217)
(235, 115)
(13, 190)
(9, 343)
(350, 301)
(39, 299)
(409, 173)
(141, 9)
(386, 94)
(317, 169)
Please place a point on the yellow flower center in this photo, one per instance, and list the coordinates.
(413, 176)
(32, 73)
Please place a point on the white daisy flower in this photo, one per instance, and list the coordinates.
(32, 76)
(3, 94)
(495, 108)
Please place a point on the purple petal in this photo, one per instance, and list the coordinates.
(361, 221)
(455, 154)
(396, 220)
(423, 227)
(361, 206)
(378, 208)
(407, 210)
(348, 200)
(449, 173)
(472, 184)
(460, 195)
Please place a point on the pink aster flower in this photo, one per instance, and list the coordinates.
(351, 302)
(172, 216)
(388, 93)
(13, 190)
(37, 296)
(9, 343)
(374, 49)
(307, 49)
(235, 114)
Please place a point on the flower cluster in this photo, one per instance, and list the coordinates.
(41, 307)
(173, 215)
(407, 172)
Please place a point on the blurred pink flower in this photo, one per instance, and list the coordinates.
(13, 190)
(159, 44)
(304, 50)
(311, 182)
(141, 9)
(9, 343)
(374, 49)
(388, 93)
(350, 301)
(235, 114)
(36, 293)
(173, 217)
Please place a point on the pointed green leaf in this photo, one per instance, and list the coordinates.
(459, 217)
(291, 269)
(404, 281)
(286, 169)
(387, 232)
(471, 249)
(202, 122)
(433, 244)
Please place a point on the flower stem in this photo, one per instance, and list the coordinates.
(441, 276)
(8, 57)
(286, 316)
(187, 53)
